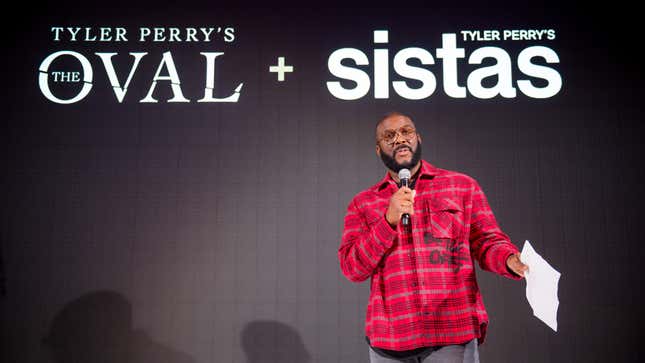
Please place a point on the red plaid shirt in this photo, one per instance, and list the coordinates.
(423, 287)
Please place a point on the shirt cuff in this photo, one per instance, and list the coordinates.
(384, 233)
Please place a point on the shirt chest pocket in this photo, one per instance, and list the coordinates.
(446, 218)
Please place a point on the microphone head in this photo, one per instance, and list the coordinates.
(404, 174)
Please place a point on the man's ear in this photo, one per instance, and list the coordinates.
(419, 137)
(378, 150)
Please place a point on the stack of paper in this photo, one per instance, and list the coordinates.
(541, 286)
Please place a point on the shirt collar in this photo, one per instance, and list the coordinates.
(427, 170)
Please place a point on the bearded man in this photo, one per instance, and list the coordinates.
(424, 303)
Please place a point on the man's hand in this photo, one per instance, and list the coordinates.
(401, 202)
(514, 263)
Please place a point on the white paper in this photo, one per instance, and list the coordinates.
(541, 286)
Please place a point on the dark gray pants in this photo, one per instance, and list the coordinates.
(467, 353)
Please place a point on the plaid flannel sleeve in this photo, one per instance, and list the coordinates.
(363, 246)
(490, 246)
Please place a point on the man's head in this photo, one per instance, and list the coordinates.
(397, 142)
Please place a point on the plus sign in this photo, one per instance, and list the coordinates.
(281, 69)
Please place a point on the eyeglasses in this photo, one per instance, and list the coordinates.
(406, 132)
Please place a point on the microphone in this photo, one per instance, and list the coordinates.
(404, 177)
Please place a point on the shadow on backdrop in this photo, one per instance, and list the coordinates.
(97, 328)
(267, 341)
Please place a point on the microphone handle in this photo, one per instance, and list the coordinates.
(405, 217)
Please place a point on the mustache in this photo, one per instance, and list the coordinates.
(401, 147)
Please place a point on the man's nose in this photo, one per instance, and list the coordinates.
(398, 139)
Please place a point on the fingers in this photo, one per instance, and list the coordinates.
(401, 202)
(521, 265)
(406, 200)
(405, 191)
(515, 264)
(407, 208)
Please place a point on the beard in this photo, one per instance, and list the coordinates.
(391, 163)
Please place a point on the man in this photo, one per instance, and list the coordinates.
(424, 302)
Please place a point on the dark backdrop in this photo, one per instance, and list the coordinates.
(196, 232)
